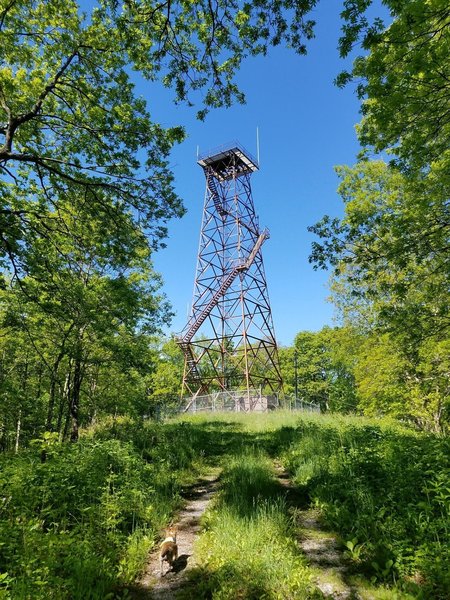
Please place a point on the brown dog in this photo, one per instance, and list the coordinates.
(169, 549)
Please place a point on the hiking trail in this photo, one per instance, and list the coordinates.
(153, 587)
(320, 547)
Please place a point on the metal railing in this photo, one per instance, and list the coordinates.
(224, 148)
(300, 404)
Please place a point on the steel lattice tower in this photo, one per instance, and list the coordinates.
(229, 341)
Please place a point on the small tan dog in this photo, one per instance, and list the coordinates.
(169, 549)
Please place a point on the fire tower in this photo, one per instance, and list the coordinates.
(229, 341)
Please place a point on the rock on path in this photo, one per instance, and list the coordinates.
(323, 553)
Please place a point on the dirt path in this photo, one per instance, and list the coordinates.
(153, 587)
(320, 547)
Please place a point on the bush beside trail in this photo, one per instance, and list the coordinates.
(79, 524)
(386, 490)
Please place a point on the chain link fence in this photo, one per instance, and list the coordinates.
(233, 401)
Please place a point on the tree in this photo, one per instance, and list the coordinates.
(71, 122)
(311, 367)
(390, 276)
(343, 346)
(392, 245)
(82, 325)
(286, 356)
(403, 80)
(165, 381)
(320, 366)
(390, 252)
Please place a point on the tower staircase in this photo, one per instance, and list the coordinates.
(196, 323)
(228, 339)
(210, 180)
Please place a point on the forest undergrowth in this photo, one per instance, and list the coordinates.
(78, 520)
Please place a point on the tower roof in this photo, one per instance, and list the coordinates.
(228, 161)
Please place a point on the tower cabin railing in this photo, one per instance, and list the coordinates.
(192, 327)
(231, 161)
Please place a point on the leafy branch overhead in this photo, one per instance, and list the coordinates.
(403, 79)
(70, 118)
(389, 254)
(391, 247)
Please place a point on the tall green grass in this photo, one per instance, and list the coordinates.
(386, 490)
(248, 549)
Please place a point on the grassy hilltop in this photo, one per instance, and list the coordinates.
(77, 521)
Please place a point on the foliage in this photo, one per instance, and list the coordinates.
(403, 80)
(385, 489)
(72, 124)
(81, 523)
(75, 342)
(165, 381)
(248, 549)
(390, 260)
(320, 366)
(389, 254)
(312, 366)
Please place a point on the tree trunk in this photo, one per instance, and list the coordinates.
(52, 399)
(75, 400)
(18, 430)
(64, 404)
(76, 387)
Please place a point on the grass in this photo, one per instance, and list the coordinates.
(386, 490)
(248, 549)
(80, 524)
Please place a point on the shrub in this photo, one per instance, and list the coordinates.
(385, 486)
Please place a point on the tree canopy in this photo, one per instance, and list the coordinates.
(403, 80)
(72, 123)
(389, 254)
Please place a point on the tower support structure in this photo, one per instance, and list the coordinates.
(229, 342)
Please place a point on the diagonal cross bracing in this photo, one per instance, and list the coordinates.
(229, 342)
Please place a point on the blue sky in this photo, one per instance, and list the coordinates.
(306, 127)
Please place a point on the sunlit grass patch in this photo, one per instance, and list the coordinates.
(252, 422)
(248, 549)
(247, 481)
(252, 557)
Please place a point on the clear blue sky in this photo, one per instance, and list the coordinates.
(306, 126)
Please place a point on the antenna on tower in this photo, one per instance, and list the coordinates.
(198, 151)
(257, 144)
